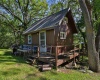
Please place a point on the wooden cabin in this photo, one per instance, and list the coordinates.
(53, 33)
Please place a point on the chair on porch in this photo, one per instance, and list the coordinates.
(24, 47)
(29, 49)
(35, 49)
(49, 50)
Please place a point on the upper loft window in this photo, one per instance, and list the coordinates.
(29, 39)
(62, 35)
(65, 20)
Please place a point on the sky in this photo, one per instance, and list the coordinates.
(51, 1)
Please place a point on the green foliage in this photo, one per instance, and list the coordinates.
(95, 15)
(23, 12)
(6, 38)
(17, 15)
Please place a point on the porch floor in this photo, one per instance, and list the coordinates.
(46, 58)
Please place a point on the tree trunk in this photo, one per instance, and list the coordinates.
(92, 54)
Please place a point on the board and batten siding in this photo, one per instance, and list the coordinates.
(35, 38)
(50, 37)
(65, 26)
(26, 39)
(68, 42)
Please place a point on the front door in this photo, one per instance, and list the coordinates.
(42, 41)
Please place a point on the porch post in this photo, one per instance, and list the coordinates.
(74, 62)
(38, 51)
(56, 57)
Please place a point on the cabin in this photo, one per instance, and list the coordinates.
(53, 33)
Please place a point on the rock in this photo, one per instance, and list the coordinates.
(84, 71)
(89, 71)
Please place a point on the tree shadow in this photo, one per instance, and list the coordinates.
(9, 57)
(35, 75)
(11, 71)
(43, 78)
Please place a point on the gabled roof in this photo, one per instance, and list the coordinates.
(47, 22)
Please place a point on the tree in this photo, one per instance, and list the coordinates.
(96, 24)
(20, 14)
(92, 53)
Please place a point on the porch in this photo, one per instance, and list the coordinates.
(56, 55)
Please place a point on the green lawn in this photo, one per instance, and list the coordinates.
(15, 68)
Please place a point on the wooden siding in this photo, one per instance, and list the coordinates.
(35, 38)
(71, 22)
(61, 42)
(50, 37)
(26, 39)
(67, 41)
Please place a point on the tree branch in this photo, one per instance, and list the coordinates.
(9, 11)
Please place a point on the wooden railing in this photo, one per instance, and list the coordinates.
(75, 48)
(57, 50)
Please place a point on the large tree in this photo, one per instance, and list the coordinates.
(20, 14)
(92, 53)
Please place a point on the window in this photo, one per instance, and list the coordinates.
(29, 39)
(42, 38)
(62, 35)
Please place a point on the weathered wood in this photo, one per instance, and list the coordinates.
(74, 63)
(56, 58)
(46, 65)
(38, 51)
(46, 68)
(31, 61)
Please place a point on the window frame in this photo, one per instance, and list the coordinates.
(29, 39)
(62, 35)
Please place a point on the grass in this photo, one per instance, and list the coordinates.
(15, 68)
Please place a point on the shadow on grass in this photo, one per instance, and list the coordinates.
(43, 78)
(35, 76)
(54, 72)
(11, 71)
(7, 57)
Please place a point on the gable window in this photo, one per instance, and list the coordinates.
(29, 39)
(62, 35)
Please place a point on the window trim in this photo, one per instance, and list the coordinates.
(29, 39)
(62, 35)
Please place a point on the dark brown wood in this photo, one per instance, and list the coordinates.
(26, 39)
(38, 54)
(56, 57)
(74, 63)
(69, 35)
(50, 37)
(35, 38)
(71, 22)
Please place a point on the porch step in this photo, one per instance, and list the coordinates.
(31, 61)
(45, 67)
(31, 57)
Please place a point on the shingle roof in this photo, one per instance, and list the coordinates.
(47, 22)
